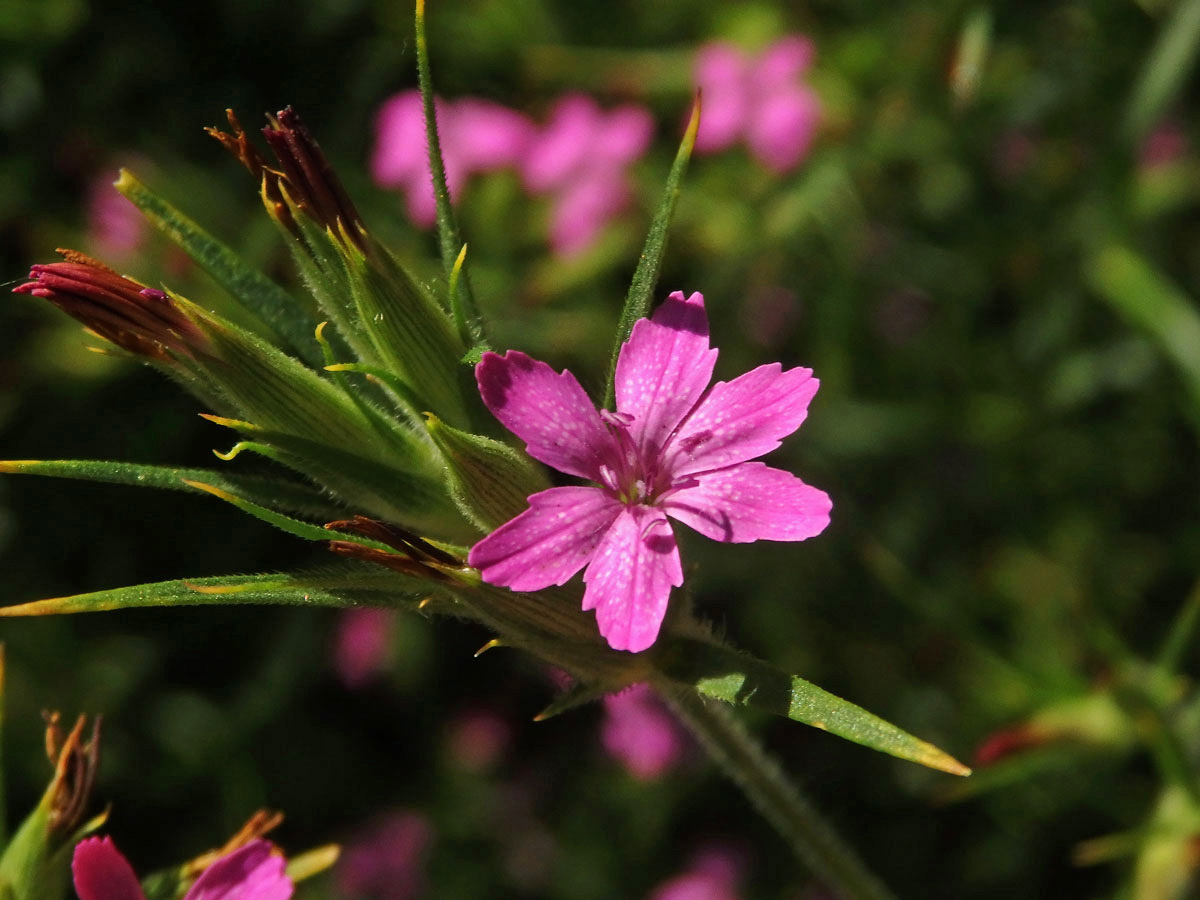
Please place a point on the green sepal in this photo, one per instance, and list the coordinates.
(645, 277)
(276, 493)
(348, 586)
(410, 334)
(261, 383)
(489, 481)
(36, 865)
(722, 673)
(257, 293)
(414, 499)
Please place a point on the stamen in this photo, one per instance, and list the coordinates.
(616, 419)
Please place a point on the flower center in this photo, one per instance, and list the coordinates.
(632, 478)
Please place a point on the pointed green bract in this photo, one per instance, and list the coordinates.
(725, 674)
(347, 587)
(254, 291)
(489, 481)
(645, 277)
(273, 492)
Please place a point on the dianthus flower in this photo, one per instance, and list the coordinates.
(581, 157)
(476, 136)
(675, 447)
(760, 100)
(252, 872)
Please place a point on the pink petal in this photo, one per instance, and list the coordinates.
(386, 861)
(549, 411)
(362, 647)
(785, 60)
(400, 147)
(549, 542)
(488, 136)
(625, 134)
(640, 733)
(252, 872)
(720, 73)
(741, 419)
(750, 502)
(663, 369)
(102, 873)
(630, 578)
(563, 144)
(583, 209)
(783, 127)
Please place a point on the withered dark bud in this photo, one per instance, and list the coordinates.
(140, 319)
(303, 175)
(75, 762)
(415, 556)
(257, 826)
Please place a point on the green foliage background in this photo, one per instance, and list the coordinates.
(995, 290)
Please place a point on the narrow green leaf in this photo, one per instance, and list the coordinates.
(734, 677)
(645, 277)
(462, 298)
(273, 492)
(1166, 69)
(349, 587)
(306, 530)
(281, 312)
(1151, 302)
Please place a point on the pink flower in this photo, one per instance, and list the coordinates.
(762, 101)
(639, 732)
(674, 448)
(712, 876)
(115, 226)
(476, 136)
(362, 646)
(252, 872)
(385, 862)
(581, 157)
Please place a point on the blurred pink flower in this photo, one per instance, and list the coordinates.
(640, 733)
(253, 872)
(1165, 144)
(713, 875)
(477, 739)
(386, 861)
(581, 157)
(362, 647)
(762, 101)
(476, 136)
(115, 226)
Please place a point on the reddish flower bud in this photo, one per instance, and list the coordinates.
(137, 318)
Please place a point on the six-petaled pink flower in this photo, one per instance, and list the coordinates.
(760, 100)
(581, 157)
(675, 447)
(252, 872)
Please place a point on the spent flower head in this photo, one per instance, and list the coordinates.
(675, 448)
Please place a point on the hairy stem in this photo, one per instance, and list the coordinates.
(812, 838)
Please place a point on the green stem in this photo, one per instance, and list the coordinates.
(778, 798)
